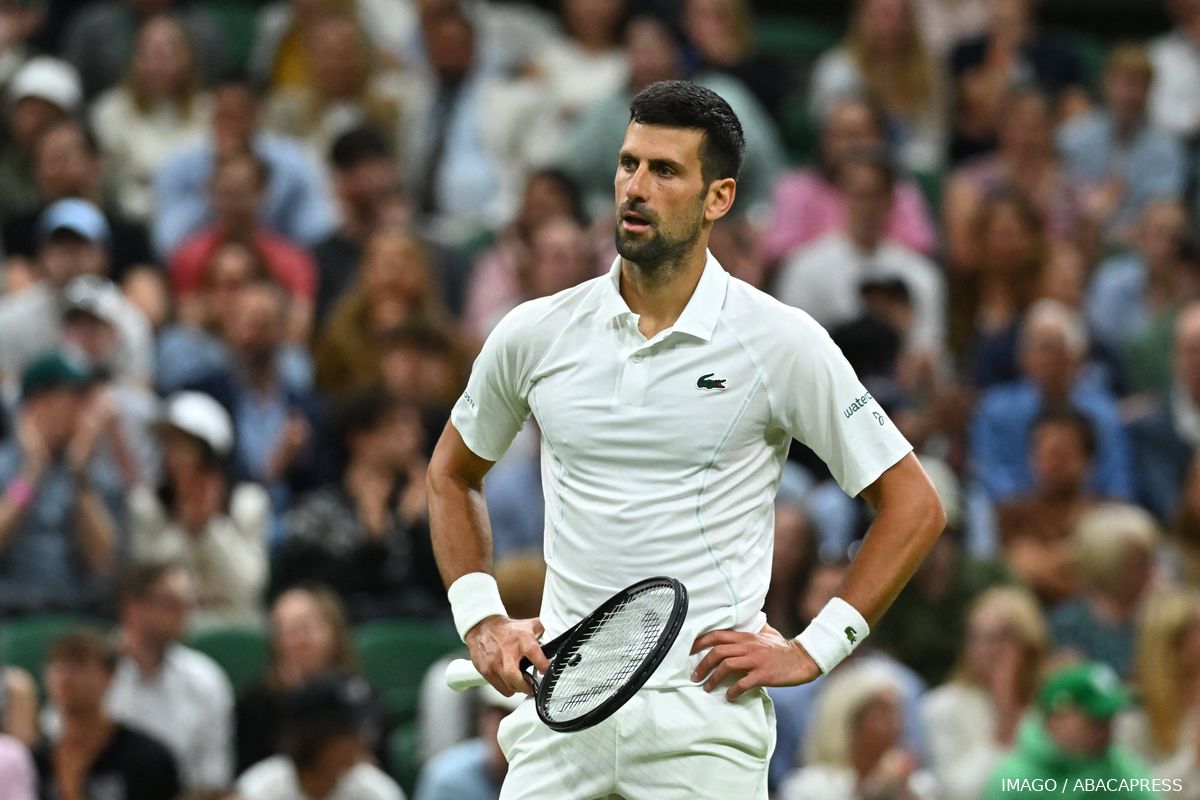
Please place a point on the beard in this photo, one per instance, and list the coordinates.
(654, 250)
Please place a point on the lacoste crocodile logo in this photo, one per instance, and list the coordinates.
(705, 383)
(851, 634)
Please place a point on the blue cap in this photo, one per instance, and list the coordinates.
(76, 215)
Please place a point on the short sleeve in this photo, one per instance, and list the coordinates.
(495, 404)
(817, 398)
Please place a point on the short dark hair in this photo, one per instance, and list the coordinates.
(1070, 417)
(82, 645)
(358, 145)
(139, 579)
(684, 104)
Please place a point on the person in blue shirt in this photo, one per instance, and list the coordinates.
(474, 768)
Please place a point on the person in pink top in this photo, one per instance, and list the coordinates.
(237, 188)
(808, 203)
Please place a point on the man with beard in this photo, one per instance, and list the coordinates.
(667, 395)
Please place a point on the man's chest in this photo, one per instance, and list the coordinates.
(678, 402)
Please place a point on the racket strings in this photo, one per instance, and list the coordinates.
(603, 658)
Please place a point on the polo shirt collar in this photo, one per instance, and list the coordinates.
(699, 316)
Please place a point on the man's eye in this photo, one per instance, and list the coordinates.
(628, 163)
(664, 171)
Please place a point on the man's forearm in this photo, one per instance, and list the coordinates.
(907, 525)
(459, 527)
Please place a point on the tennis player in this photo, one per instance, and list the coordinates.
(667, 394)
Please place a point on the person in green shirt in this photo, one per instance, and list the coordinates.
(1065, 749)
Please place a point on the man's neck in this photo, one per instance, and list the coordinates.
(147, 656)
(88, 730)
(316, 785)
(1126, 129)
(866, 241)
(659, 298)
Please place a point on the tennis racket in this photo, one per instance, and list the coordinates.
(596, 666)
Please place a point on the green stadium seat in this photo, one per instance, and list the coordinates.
(237, 20)
(25, 641)
(931, 183)
(404, 756)
(791, 39)
(394, 655)
(240, 651)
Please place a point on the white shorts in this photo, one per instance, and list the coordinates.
(664, 744)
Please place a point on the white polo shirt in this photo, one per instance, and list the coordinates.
(663, 456)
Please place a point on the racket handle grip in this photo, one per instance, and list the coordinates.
(462, 675)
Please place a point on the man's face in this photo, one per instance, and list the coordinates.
(450, 44)
(31, 116)
(336, 57)
(1060, 459)
(1161, 225)
(867, 199)
(66, 255)
(257, 326)
(366, 186)
(850, 126)
(1126, 92)
(77, 686)
(1079, 734)
(1187, 351)
(56, 414)
(660, 194)
(161, 616)
(94, 337)
(235, 118)
(63, 165)
(1047, 359)
(236, 193)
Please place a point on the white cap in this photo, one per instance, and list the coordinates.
(51, 79)
(199, 415)
(96, 296)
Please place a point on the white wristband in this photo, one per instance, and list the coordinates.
(833, 634)
(474, 597)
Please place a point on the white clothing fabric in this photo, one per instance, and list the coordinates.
(676, 744)
(227, 561)
(663, 456)
(1175, 95)
(960, 729)
(824, 278)
(188, 706)
(275, 779)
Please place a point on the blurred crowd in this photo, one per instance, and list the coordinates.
(250, 251)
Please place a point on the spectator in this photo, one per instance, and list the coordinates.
(1130, 290)
(73, 240)
(1026, 162)
(809, 204)
(721, 34)
(425, 365)
(853, 749)
(22, 21)
(18, 706)
(309, 636)
(42, 92)
(67, 163)
(1052, 346)
(1114, 548)
(239, 185)
(158, 110)
(971, 721)
(216, 534)
(60, 511)
(1183, 546)
(93, 754)
(395, 285)
(1147, 352)
(368, 538)
(366, 178)
(296, 203)
(279, 428)
(18, 775)
(325, 747)
(1165, 438)
(1163, 729)
(1125, 163)
(1069, 738)
(164, 689)
(826, 277)
(92, 309)
(348, 89)
(655, 55)
(1175, 96)
(99, 39)
(1035, 530)
(945, 23)
(883, 56)
(474, 768)
(986, 67)
(583, 66)
(495, 288)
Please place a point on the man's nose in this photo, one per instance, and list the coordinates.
(637, 186)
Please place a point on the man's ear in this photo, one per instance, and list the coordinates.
(719, 200)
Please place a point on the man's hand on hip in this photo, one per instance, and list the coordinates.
(497, 646)
(765, 658)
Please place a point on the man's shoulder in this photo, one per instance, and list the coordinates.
(368, 782)
(757, 313)
(542, 318)
(270, 778)
(200, 670)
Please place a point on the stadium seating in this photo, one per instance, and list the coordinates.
(241, 652)
(24, 642)
(395, 654)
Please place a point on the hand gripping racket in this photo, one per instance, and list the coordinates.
(596, 666)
